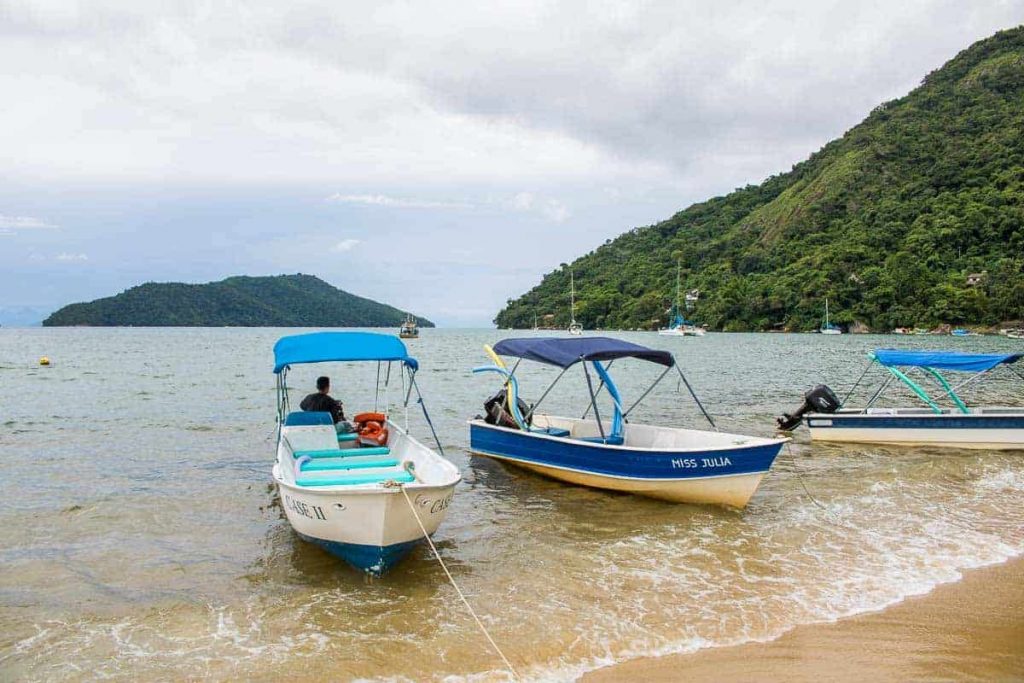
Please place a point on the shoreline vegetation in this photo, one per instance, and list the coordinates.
(913, 218)
(241, 301)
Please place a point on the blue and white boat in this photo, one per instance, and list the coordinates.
(366, 500)
(679, 465)
(933, 424)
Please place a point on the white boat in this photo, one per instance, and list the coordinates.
(679, 326)
(669, 463)
(574, 327)
(362, 496)
(829, 328)
(956, 425)
(409, 329)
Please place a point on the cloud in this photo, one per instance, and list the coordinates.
(551, 209)
(347, 245)
(400, 202)
(66, 256)
(11, 224)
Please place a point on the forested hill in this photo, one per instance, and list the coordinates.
(889, 222)
(277, 301)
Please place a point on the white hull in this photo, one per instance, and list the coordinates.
(1012, 439)
(984, 428)
(734, 491)
(831, 332)
(370, 517)
(685, 331)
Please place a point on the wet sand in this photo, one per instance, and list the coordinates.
(969, 630)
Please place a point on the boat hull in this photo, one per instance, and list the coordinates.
(726, 475)
(372, 530)
(980, 431)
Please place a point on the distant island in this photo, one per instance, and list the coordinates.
(913, 218)
(274, 301)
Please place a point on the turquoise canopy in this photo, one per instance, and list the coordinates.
(321, 347)
(944, 360)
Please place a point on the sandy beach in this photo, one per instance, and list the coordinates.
(969, 630)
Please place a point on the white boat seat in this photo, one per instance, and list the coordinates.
(610, 440)
(342, 452)
(349, 478)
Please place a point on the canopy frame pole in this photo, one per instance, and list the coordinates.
(387, 385)
(644, 395)
(376, 390)
(600, 386)
(694, 394)
(529, 413)
(913, 386)
(593, 400)
(949, 390)
(405, 405)
(976, 376)
(423, 406)
(878, 393)
(856, 384)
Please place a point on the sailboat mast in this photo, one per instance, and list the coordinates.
(572, 296)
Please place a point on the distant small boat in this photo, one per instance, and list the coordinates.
(670, 463)
(409, 329)
(574, 327)
(678, 326)
(827, 327)
(1015, 333)
(961, 332)
(361, 496)
(957, 426)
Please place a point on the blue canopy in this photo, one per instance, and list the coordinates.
(320, 347)
(944, 360)
(565, 352)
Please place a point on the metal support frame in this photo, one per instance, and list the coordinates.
(529, 413)
(694, 394)
(600, 386)
(644, 395)
(593, 400)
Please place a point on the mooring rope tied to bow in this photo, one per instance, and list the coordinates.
(480, 624)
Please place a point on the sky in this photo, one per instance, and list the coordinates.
(437, 156)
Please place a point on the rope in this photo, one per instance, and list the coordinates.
(483, 629)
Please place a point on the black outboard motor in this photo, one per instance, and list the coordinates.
(496, 410)
(820, 399)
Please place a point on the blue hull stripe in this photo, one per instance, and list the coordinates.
(917, 422)
(372, 559)
(619, 462)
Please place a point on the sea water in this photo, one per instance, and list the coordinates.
(140, 536)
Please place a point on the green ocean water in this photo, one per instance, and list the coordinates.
(140, 536)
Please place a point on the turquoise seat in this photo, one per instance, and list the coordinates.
(356, 478)
(552, 431)
(343, 452)
(350, 436)
(351, 463)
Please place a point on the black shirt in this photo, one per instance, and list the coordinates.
(325, 404)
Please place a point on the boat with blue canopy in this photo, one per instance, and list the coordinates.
(944, 419)
(670, 463)
(368, 496)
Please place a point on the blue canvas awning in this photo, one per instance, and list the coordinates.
(944, 360)
(320, 347)
(565, 352)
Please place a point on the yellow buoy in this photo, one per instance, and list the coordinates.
(44, 361)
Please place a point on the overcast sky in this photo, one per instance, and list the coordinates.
(437, 156)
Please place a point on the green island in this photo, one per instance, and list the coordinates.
(274, 301)
(914, 217)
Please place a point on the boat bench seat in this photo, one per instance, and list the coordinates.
(307, 418)
(343, 452)
(609, 440)
(551, 431)
(346, 478)
(350, 463)
(348, 436)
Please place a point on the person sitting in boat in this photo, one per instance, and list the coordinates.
(322, 402)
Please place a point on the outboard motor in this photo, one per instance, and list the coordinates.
(820, 399)
(496, 411)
